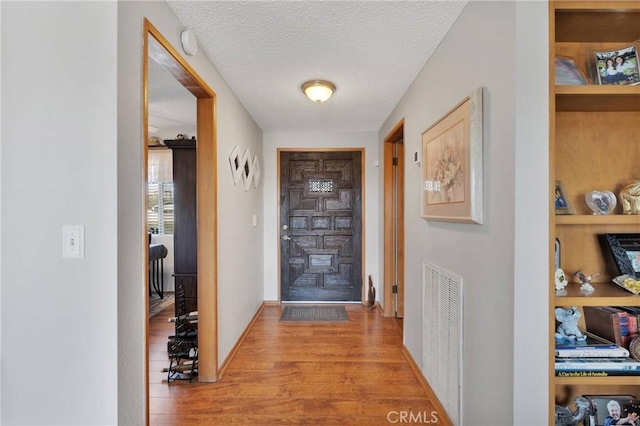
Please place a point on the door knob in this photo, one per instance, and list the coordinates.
(286, 237)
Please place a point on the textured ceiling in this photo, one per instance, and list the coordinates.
(372, 51)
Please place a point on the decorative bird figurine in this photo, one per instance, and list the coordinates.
(586, 281)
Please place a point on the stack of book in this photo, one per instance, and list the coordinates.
(593, 357)
(616, 324)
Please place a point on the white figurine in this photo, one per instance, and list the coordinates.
(561, 280)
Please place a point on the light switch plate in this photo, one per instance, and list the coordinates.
(73, 241)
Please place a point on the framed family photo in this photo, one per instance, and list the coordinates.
(561, 200)
(626, 404)
(617, 66)
(452, 164)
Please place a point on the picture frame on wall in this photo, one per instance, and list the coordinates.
(452, 164)
(561, 200)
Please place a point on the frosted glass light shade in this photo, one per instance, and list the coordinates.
(318, 90)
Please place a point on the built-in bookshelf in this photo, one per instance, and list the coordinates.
(594, 145)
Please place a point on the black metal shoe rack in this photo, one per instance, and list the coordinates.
(182, 348)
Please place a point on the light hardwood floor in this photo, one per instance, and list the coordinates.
(284, 373)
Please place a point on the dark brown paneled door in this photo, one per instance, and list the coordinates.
(321, 226)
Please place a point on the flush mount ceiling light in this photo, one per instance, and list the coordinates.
(318, 90)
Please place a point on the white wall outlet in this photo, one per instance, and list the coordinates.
(255, 220)
(73, 241)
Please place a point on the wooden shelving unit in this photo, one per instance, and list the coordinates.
(617, 219)
(594, 145)
(603, 294)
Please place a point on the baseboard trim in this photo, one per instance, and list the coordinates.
(443, 417)
(243, 336)
(376, 306)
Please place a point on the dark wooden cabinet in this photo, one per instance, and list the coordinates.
(186, 293)
(185, 224)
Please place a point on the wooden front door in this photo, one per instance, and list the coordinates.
(321, 226)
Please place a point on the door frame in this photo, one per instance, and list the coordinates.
(394, 139)
(362, 211)
(158, 47)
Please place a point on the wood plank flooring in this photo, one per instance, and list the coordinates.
(289, 373)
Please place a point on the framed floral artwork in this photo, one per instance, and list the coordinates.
(452, 164)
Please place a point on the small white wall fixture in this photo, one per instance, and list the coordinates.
(189, 42)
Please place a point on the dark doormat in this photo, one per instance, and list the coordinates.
(314, 314)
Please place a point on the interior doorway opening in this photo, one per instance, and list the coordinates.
(161, 51)
(394, 222)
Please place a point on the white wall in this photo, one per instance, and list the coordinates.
(479, 50)
(73, 341)
(59, 166)
(531, 248)
(371, 184)
(240, 270)
(1, 211)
